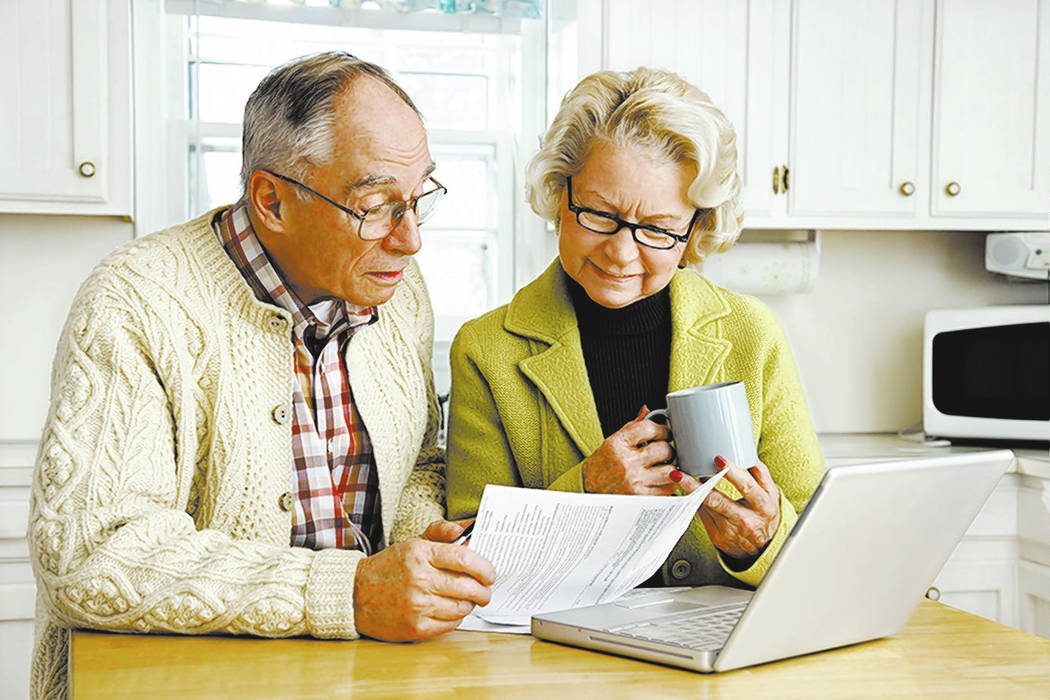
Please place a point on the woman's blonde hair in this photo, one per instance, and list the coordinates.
(660, 113)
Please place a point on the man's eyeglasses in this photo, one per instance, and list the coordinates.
(378, 221)
(649, 236)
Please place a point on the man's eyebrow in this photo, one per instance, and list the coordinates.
(373, 180)
(370, 181)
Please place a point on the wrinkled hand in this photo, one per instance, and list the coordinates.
(741, 529)
(420, 588)
(632, 460)
(446, 530)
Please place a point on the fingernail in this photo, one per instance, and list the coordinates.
(721, 462)
(675, 475)
(753, 471)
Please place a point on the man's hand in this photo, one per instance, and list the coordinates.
(446, 530)
(421, 587)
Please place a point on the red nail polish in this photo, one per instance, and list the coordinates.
(721, 462)
(675, 475)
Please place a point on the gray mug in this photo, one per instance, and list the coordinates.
(707, 421)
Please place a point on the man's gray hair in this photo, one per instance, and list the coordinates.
(288, 119)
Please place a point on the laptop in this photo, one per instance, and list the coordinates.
(854, 568)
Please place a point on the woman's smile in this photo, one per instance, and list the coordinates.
(613, 277)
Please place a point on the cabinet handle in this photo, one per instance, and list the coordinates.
(953, 189)
(933, 593)
(786, 178)
(776, 180)
(87, 168)
(907, 188)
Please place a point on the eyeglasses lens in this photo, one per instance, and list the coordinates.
(381, 220)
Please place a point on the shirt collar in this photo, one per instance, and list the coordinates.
(325, 316)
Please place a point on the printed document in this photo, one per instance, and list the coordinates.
(554, 550)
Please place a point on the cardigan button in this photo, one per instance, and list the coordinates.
(277, 323)
(681, 569)
(286, 501)
(281, 415)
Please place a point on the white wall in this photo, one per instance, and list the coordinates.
(857, 336)
(44, 259)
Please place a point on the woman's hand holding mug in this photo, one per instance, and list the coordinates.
(633, 460)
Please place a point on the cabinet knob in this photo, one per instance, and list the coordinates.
(953, 189)
(776, 180)
(87, 168)
(786, 179)
(907, 188)
(933, 593)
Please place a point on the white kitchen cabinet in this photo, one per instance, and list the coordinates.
(847, 117)
(981, 575)
(855, 125)
(17, 588)
(991, 109)
(1033, 572)
(1001, 568)
(66, 126)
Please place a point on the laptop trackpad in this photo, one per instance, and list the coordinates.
(664, 605)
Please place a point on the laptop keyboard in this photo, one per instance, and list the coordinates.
(707, 629)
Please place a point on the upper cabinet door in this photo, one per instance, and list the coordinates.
(991, 112)
(65, 130)
(734, 51)
(760, 115)
(857, 139)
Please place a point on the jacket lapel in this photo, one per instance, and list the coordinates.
(543, 312)
(697, 348)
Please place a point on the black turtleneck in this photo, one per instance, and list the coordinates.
(627, 352)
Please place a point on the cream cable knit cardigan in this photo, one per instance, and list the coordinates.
(156, 499)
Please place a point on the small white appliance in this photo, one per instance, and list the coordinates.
(1018, 254)
(986, 373)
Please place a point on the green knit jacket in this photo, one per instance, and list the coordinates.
(522, 412)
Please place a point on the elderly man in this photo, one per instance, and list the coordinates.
(243, 418)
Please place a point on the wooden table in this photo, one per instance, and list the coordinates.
(941, 652)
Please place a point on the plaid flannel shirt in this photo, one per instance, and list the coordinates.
(334, 478)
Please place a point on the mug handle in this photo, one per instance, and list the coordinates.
(662, 413)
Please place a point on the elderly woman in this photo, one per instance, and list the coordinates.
(638, 174)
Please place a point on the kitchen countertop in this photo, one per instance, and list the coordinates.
(850, 448)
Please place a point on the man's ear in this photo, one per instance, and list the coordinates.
(264, 198)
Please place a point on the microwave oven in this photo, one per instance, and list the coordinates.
(986, 373)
